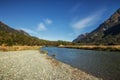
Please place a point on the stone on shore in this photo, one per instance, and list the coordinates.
(31, 65)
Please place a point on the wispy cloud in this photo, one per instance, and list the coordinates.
(41, 27)
(30, 31)
(87, 21)
(71, 34)
(82, 23)
(75, 8)
(48, 21)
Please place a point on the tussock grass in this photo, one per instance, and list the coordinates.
(95, 47)
(18, 48)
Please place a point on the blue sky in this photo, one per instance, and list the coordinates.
(56, 19)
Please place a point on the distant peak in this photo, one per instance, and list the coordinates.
(1, 22)
(118, 11)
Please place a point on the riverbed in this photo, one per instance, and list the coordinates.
(103, 64)
(34, 65)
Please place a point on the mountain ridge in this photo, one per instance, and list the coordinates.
(11, 36)
(9, 29)
(107, 33)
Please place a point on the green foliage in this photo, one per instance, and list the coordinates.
(11, 37)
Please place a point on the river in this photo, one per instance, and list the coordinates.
(101, 64)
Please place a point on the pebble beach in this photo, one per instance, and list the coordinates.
(33, 65)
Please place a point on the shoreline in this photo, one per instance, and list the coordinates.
(30, 63)
(93, 47)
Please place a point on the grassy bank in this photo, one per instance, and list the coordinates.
(94, 47)
(18, 48)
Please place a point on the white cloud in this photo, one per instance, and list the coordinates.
(82, 23)
(48, 21)
(87, 21)
(42, 27)
(29, 31)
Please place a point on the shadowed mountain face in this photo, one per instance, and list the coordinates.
(10, 36)
(107, 33)
(4, 27)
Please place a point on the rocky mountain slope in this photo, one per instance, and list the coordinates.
(107, 32)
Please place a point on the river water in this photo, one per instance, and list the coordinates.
(101, 64)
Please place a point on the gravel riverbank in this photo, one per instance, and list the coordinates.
(32, 65)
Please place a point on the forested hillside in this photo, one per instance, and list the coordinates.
(10, 36)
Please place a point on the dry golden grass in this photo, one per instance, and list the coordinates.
(95, 47)
(18, 48)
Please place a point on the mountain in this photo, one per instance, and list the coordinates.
(80, 37)
(10, 36)
(107, 32)
(4, 27)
